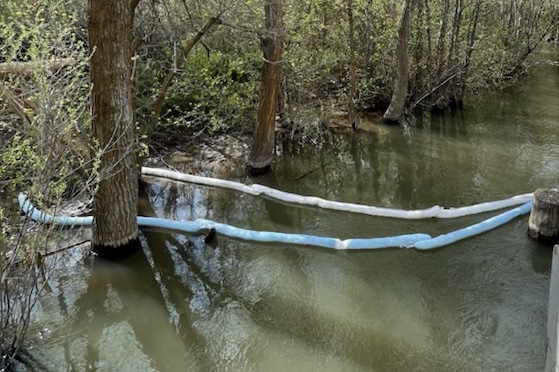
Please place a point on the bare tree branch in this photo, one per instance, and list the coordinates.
(25, 68)
(181, 57)
(14, 102)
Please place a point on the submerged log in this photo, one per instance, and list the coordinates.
(543, 224)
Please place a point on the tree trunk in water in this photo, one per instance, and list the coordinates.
(395, 111)
(262, 151)
(115, 205)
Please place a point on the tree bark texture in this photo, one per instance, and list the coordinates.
(395, 111)
(543, 224)
(262, 151)
(115, 204)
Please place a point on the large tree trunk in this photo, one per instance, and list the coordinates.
(395, 111)
(115, 205)
(262, 152)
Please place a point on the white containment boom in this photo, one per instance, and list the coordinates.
(260, 190)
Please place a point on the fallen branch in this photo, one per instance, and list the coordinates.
(437, 87)
(64, 249)
(15, 103)
(25, 68)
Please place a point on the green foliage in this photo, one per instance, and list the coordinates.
(215, 92)
(479, 50)
(47, 144)
(317, 51)
(43, 124)
(484, 46)
(16, 160)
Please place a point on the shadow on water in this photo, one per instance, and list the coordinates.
(478, 305)
(117, 320)
(125, 298)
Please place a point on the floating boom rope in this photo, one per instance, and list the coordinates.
(258, 190)
(418, 241)
(201, 225)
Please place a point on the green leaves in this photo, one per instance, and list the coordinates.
(214, 93)
(44, 141)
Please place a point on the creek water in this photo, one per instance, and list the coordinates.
(477, 305)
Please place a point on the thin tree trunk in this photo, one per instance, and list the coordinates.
(471, 41)
(369, 41)
(428, 32)
(352, 81)
(115, 204)
(418, 53)
(455, 35)
(430, 79)
(442, 39)
(395, 111)
(262, 151)
(283, 105)
(453, 59)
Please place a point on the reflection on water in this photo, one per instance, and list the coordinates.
(479, 305)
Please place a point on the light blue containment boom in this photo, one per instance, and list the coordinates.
(473, 230)
(202, 225)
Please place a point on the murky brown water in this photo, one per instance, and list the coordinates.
(478, 305)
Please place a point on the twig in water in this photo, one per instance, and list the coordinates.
(63, 249)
